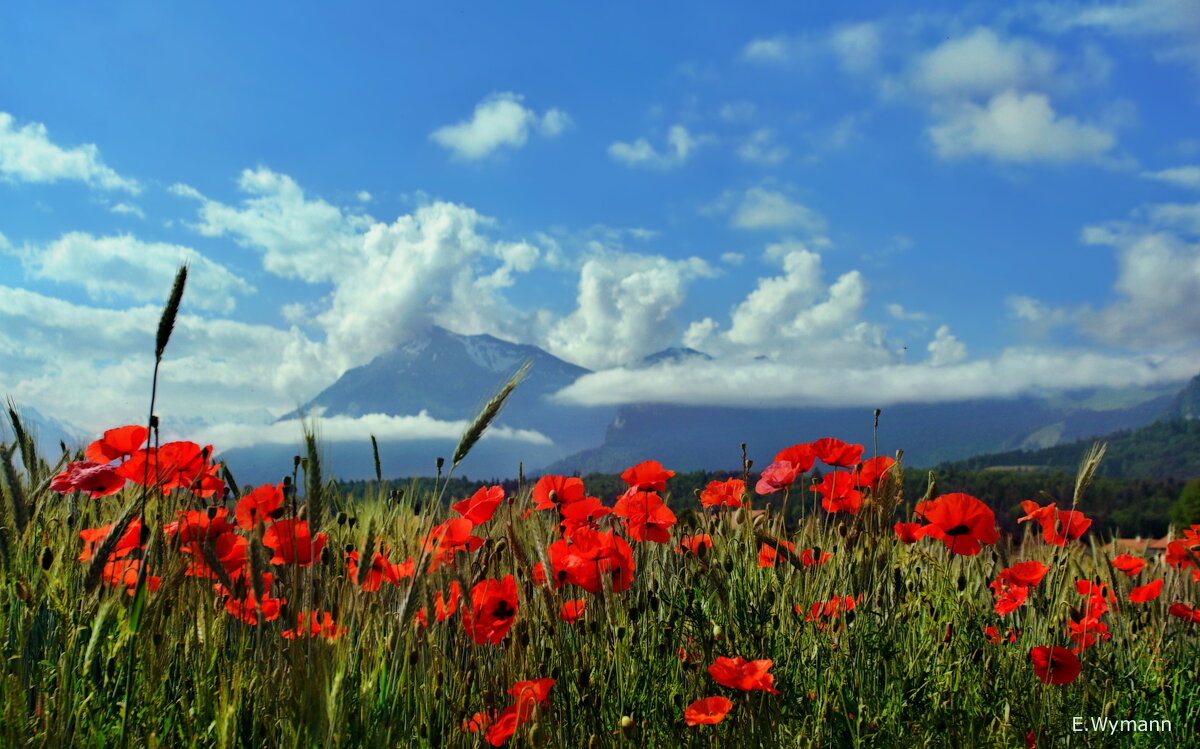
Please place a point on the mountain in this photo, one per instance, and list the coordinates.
(47, 432)
(1186, 405)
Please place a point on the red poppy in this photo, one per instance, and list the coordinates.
(230, 549)
(1026, 574)
(587, 556)
(119, 443)
(838, 492)
(493, 610)
(1087, 631)
(909, 533)
(738, 673)
(292, 542)
(572, 611)
(197, 525)
(1146, 592)
(809, 559)
(539, 574)
(93, 537)
(1009, 598)
(707, 711)
(259, 506)
(648, 476)
(444, 606)
(768, 554)
(831, 609)
(872, 471)
(381, 569)
(174, 465)
(309, 625)
(1192, 535)
(248, 608)
(647, 517)
(693, 544)
(95, 479)
(960, 521)
(449, 537)
(1128, 564)
(992, 634)
(1054, 665)
(801, 456)
(481, 505)
(1178, 556)
(565, 490)
(1186, 613)
(778, 475)
(532, 691)
(727, 493)
(507, 723)
(124, 573)
(479, 721)
(582, 514)
(1058, 526)
(837, 453)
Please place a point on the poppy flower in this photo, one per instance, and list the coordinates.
(1146, 592)
(588, 556)
(727, 493)
(768, 554)
(292, 542)
(124, 573)
(871, 472)
(1058, 526)
(694, 544)
(445, 606)
(647, 476)
(582, 514)
(1179, 556)
(1087, 631)
(566, 490)
(381, 569)
(309, 625)
(480, 506)
(532, 691)
(479, 721)
(909, 533)
(447, 538)
(707, 711)
(809, 558)
(1186, 613)
(992, 635)
(539, 574)
(834, 452)
(801, 456)
(493, 610)
(1026, 574)
(960, 521)
(1054, 665)
(831, 609)
(738, 673)
(1009, 598)
(174, 465)
(93, 537)
(779, 475)
(507, 722)
(95, 479)
(571, 611)
(1191, 536)
(197, 525)
(248, 607)
(259, 506)
(1128, 564)
(838, 493)
(230, 549)
(117, 444)
(647, 517)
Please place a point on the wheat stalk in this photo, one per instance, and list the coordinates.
(476, 428)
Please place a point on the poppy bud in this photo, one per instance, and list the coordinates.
(440, 462)
(413, 657)
(326, 557)
(349, 548)
(962, 583)
(842, 530)
(728, 566)
(47, 558)
(626, 722)
(296, 460)
(620, 633)
(212, 513)
(71, 520)
(154, 421)
(287, 480)
(341, 518)
(352, 521)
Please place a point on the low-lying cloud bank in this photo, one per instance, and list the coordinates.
(766, 384)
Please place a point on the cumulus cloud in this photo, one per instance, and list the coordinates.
(28, 155)
(422, 426)
(500, 120)
(123, 267)
(768, 384)
(981, 64)
(897, 311)
(1180, 176)
(761, 148)
(624, 308)
(764, 207)
(945, 349)
(127, 209)
(1019, 128)
(770, 50)
(681, 145)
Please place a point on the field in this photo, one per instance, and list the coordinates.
(148, 600)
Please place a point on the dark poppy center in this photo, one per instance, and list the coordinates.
(504, 611)
(958, 530)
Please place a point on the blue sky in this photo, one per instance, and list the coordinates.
(936, 201)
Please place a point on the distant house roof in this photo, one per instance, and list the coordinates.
(1137, 545)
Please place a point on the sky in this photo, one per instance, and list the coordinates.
(849, 203)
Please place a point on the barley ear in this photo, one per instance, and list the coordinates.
(13, 493)
(167, 322)
(1087, 470)
(378, 469)
(313, 491)
(476, 428)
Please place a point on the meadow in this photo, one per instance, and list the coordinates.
(149, 600)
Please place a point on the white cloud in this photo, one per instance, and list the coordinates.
(737, 111)
(945, 349)
(761, 207)
(732, 258)
(227, 436)
(857, 47)
(897, 311)
(363, 196)
(768, 384)
(1019, 128)
(1183, 217)
(500, 120)
(760, 148)
(127, 209)
(124, 267)
(983, 64)
(1181, 176)
(680, 146)
(774, 49)
(1172, 27)
(28, 155)
(624, 308)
